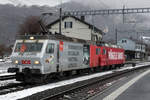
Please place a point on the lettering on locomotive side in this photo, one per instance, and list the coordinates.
(115, 55)
(72, 65)
(72, 59)
(120, 55)
(75, 47)
(73, 53)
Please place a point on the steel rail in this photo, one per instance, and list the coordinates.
(7, 77)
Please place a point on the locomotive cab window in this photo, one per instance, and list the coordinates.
(50, 48)
(86, 54)
(98, 50)
(28, 47)
(104, 51)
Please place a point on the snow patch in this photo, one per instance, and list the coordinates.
(6, 82)
(7, 74)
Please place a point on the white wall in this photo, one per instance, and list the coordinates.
(129, 45)
(78, 30)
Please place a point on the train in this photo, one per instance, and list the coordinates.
(38, 58)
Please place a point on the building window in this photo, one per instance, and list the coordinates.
(124, 41)
(68, 25)
(137, 47)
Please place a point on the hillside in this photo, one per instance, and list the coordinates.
(12, 16)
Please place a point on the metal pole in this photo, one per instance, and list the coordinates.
(116, 35)
(123, 14)
(60, 21)
(137, 35)
(92, 27)
(141, 45)
(60, 17)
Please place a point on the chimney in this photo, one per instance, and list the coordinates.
(83, 18)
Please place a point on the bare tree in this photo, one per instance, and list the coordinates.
(30, 26)
(2, 49)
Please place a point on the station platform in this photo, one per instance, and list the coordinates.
(134, 87)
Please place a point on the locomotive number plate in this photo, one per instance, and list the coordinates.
(26, 62)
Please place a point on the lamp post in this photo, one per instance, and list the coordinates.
(142, 45)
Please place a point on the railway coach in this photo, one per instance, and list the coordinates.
(39, 58)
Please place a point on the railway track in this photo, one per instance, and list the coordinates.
(71, 93)
(14, 87)
(11, 88)
(7, 77)
(91, 87)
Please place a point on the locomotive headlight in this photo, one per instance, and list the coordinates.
(36, 62)
(31, 38)
(16, 62)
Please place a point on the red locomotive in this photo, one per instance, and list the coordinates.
(106, 56)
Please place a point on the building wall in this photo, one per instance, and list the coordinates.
(128, 45)
(133, 50)
(78, 30)
(140, 47)
(131, 45)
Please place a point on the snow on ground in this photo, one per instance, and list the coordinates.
(3, 71)
(6, 82)
(28, 92)
(6, 74)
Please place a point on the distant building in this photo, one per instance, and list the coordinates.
(77, 28)
(134, 49)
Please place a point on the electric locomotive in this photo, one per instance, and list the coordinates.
(39, 58)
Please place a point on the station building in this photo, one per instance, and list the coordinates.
(77, 28)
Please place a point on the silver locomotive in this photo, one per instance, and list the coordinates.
(38, 58)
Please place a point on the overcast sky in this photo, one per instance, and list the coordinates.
(111, 3)
(33, 2)
(120, 3)
(128, 3)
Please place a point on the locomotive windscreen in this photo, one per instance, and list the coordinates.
(28, 47)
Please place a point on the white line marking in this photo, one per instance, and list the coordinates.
(119, 91)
